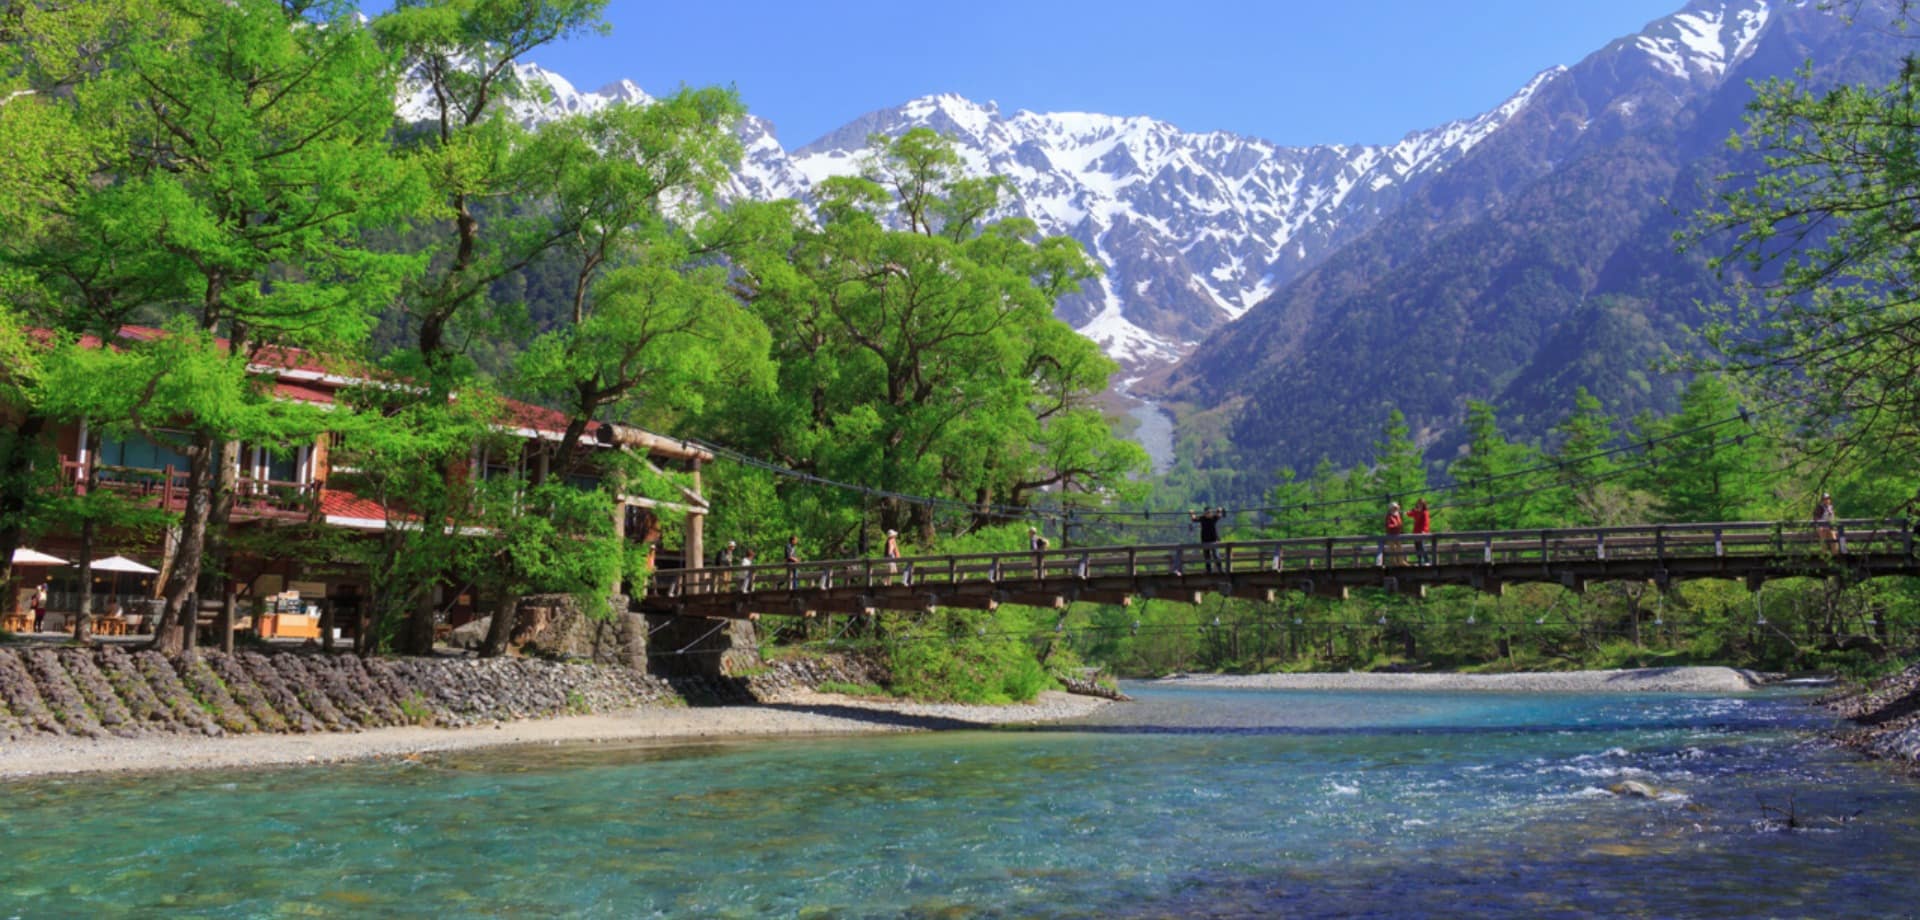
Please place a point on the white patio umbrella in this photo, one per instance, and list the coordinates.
(24, 556)
(118, 566)
(122, 564)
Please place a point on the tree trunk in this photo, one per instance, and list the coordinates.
(174, 632)
(16, 473)
(417, 638)
(229, 601)
(216, 580)
(85, 608)
(506, 613)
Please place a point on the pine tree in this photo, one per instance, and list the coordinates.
(1705, 462)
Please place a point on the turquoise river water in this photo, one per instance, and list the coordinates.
(1190, 802)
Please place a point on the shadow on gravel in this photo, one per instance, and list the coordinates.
(878, 716)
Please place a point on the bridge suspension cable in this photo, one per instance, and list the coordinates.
(1113, 517)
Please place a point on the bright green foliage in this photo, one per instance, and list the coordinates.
(968, 656)
(1398, 470)
(1329, 502)
(654, 325)
(1496, 479)
(400, 451)
(459, 56)
(1584, 467)
(917, 346)
(255, 152)
(1707, 463)
(1828, 232)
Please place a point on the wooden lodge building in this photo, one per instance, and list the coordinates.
(285, 485)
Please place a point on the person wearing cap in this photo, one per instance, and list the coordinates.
(1825, 521)
(1396, 524)
(892, 553)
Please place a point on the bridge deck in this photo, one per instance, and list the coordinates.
(1326, 566)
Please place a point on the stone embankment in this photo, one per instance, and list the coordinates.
(105, 692)
(1887, 713)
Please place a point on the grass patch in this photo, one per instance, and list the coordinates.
(846, 689)
(416, 710)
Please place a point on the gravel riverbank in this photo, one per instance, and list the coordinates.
(1640, 680)
(800, 712)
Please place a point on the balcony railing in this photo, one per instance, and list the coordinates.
(166, 488)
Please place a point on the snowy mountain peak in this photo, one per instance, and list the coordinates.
(1194, 229)
(1705, 39)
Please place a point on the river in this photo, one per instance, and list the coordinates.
(1190, 802)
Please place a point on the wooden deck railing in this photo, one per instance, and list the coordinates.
(167, 488)
(1646, 545)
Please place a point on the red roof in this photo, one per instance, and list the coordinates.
(341, 503)
(521, 415)
(304, 392)
(542, 419)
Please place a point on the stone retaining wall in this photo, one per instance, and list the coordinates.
(89, 692)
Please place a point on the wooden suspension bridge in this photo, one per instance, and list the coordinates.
(1754, 552)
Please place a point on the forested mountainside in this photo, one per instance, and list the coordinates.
(1544, 260)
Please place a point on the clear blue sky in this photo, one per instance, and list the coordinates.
(1331, 71)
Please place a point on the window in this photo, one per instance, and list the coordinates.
(140, 453)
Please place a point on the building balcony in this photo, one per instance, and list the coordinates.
(166, 488)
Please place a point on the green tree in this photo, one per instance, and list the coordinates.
(917, 346)
(1584, 468)
(250, 152)
(1399, 470)
(1496, 480)
(1827, 247)
(653, 323)
(478, 163)
(1705, 463)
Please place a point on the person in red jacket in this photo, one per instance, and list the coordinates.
(1396, 525)
(1422, 522)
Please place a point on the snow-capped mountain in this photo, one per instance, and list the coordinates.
(1193, 229)
(1541, 262)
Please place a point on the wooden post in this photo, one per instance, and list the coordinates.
(696, 544)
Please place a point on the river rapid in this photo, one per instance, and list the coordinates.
(1190, 802)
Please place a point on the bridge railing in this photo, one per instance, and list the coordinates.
(1309, 555)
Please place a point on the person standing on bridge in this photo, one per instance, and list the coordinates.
(1825, 521)
(793, 563)
(1422, 522)
(1209, 535)
(746, 562)
(725, 564)
(892, 552)
(1396, 525)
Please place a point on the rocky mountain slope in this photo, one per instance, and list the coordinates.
(1543, 260)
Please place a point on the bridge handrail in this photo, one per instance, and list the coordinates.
(1230, 557)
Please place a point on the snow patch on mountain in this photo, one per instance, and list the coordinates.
(1192, 229)
(1706, 39)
